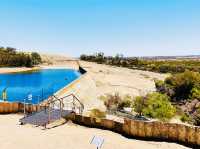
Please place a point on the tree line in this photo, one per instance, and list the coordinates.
(10, 57)
(162, 66)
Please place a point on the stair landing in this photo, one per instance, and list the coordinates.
(42, 118)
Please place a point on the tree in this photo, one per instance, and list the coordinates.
(83, 57)
(36, 59)
(11, 57)
(28, 62)
(99, 57)
(11, 50)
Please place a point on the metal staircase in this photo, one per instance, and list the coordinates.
(54, 109)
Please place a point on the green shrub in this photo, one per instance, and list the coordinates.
(158, 106)
(124, 104)
(164, 68)
(139, 104)
(181, 86)
(186, 118)
(96, 113)
(159, 83)
(195, 93)
(196, 117)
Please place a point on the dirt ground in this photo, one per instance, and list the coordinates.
(110, 79)
(67, 136)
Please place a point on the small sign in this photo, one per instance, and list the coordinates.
(30, 96)
(4, 94)
(98, 141)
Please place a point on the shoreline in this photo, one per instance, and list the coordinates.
(8, 70)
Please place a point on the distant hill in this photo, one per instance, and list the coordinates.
(189, 57)
(55, 59)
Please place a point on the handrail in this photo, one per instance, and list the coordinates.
(62, 98)
(51, 101)
(49, 106)
(75, 98)
(79, 102)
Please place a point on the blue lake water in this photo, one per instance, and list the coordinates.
(40, 84)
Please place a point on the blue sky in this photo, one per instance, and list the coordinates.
(131, 27)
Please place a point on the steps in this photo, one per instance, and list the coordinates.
(42, 118)
(56, 108)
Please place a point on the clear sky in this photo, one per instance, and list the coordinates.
(131, 27)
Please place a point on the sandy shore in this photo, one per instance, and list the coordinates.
(4, 70)
(67, 136)
(16, 69)
(111, 79)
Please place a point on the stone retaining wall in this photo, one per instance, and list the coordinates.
(8, 108)
(187, 135)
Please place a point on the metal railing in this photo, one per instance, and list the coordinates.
(66, 102)
(63, 104)
(54, 109)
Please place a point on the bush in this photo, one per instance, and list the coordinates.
(195, 93)
(124, 104)
(181, 86)
(184, 83)
(164, 68)
(159, 83)
(158, 106)
(112, 101)
(96, 113)
(139, 104)
(116, 102)
(186, 118)
(196, 117)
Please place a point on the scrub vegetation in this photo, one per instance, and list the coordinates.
(183, 90)
(153, 105)
(116, 102)
(9, 57)
(178, 94)
(96, 113)
(182, 86)
(162, 66)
